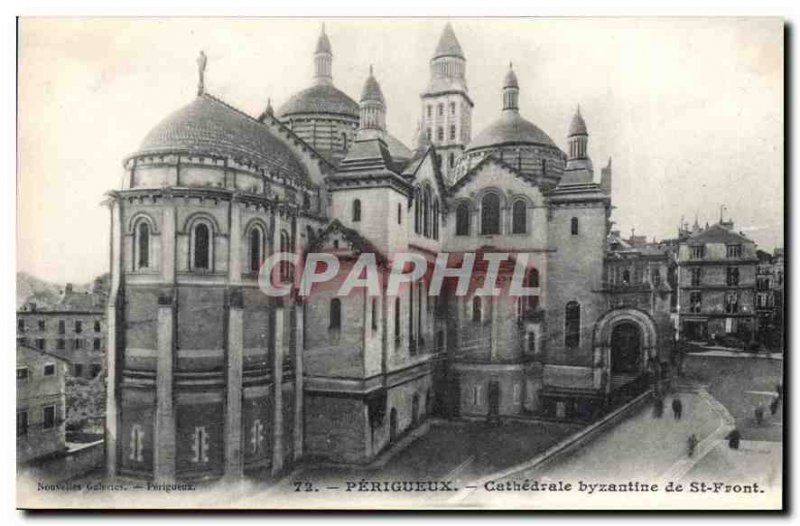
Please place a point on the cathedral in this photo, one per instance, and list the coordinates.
(208, 377)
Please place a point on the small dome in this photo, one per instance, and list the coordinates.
(372, 90)
(578, 125)
(208, 126)
(448, 44)
(511, 128)
(510, 80)
(320, 98)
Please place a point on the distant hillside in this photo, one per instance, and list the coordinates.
(46, 295)
(33, 289)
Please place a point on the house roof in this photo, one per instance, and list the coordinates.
(717, 234)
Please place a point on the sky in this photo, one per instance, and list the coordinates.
(690, 109)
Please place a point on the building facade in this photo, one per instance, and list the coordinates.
(41, 403)
(226, 380)
(74, 329)
(717, 283)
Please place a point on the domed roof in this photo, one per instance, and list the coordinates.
(511, 128)
(397, 149)
(578, 125)
(448, 44)
(372, 90)
(209, 126)
(320, 98)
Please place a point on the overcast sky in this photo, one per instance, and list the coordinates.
(691, 110)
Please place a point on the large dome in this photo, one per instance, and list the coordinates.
(509, 129)
(211, 127)
(320, 98)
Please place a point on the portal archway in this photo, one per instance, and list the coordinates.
(626, 348)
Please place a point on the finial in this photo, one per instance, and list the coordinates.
(510, 65)
(270, 111)
(323, 28)
(578, 110)
(201, 72)
(370, 70)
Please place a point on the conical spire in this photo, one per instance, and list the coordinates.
(578, 125)
(372, 90)
(423, 141)
(510, 90)
(269, 111)
(372, 107)
(323, 59)
(448, 44)
(323, 44)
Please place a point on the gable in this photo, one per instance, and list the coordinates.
(491, 174)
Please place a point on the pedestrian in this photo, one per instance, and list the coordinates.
(658, 407)
(733, 438)
(773, 406)
(677, 408)
(692, 444)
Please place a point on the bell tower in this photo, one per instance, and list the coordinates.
(446, 104)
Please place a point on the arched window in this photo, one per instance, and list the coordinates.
(399, 214)
(285, 272)
(439, 133)
(440, 108)
(357, 210)
(306, 202)
(426, 212)
(309, 235)
(256, 245)
(452, 132)
(374, 314)
(532, 281)
(451, 160)
(490, 214)
(436, 219)
(417, 212)
(143, 245)
(397, 319)
(462, 220)
(572, 324)
(574, 226)
(476, 309)
(344, 141)
(626, 277)
(335, 315)
(201, 253)
(519, 213)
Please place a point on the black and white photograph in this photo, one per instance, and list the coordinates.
(431, 263)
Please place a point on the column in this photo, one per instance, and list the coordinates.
(277, 359)
(298, 380)
(113, 348)
(164, 443)
(234, 458)
(164, 449)
(277, 364)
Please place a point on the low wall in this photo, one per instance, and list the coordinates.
(72, 463)
(565, 447)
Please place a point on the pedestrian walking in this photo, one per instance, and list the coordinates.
(658, 407)
(677, 408)
(733, 438)
(692, 444)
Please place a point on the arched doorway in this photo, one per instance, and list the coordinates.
(393, 425)
(626, 348)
